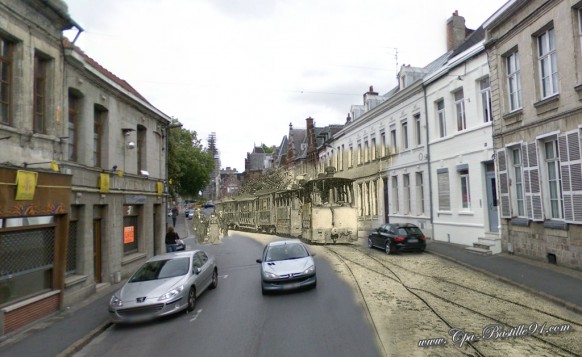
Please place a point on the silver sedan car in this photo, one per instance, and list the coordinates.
(286, 265)
(164, 285)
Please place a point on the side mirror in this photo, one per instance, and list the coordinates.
(259, 260)
(313, 254)
(197, 271)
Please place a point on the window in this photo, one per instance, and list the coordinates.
(374, 197)
(130, 229)
(460, 110)
(418, 132)
(419, 193)
(383, 139)
(513, 81)
(141, 149)
(5, 80)
(351, 157)
(405, 134)
(71, 267)
(99, 117)
(35, 239)
(465, 189)
(441, 118)
(518, 179)
(395, 207)
(361, 195)
(366, 151)
(580, 25)
(373, 149)
(406, 198)
(548, 63)
(554, 180)
(444, 190)
(359, 154)
(485, 99)
(393, 138)
(74, 110)
(340, 158)
(40, 93)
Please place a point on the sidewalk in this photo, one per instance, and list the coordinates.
(558, 284)
(68, 331)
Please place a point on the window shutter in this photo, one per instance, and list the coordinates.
(571, 170)
(533, 193)
(444, 191)
(504, 200)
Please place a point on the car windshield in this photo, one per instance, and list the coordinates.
(285, 252)
(409, 231)
(161, 269)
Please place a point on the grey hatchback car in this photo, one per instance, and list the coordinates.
(164, 285)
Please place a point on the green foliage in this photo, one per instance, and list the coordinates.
(189, 163)
(272, 179)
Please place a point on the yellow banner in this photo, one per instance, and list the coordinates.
(25, 185)
(104, 182)
(160, 188)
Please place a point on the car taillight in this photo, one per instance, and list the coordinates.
(422, 237)
(399, 239)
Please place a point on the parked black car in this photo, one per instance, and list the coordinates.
(397, 238)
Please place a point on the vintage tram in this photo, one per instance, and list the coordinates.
(318, 211)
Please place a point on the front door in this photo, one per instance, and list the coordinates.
(97, 250)
(492, 209)
(385, 184)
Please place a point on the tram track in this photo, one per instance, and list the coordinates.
(424, 295)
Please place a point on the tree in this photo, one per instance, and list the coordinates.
(270, 179)
(189, 163)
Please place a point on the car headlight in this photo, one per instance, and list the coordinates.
(268, 275)
(309, 270)
(172, 293)
(115, 301)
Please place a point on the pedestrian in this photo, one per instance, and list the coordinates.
(175, 214)
(172, 238)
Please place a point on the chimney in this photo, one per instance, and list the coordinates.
(456, 31)
(311, 149)
(291, 147)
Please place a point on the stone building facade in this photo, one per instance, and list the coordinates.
(82, 168)
(535, 56)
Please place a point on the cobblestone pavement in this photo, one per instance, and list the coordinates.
(424, 305)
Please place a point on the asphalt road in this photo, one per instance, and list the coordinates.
(237, 320)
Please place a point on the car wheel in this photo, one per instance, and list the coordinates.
(191, 299)
(214, 283)
(370, 242)
(387, 248)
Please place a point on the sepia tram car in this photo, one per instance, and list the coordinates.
(319, 211)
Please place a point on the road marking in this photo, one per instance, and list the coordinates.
(223, 276)
(196, 315)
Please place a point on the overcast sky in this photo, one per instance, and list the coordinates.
(245, 69)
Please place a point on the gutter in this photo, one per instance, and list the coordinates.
(428, 160)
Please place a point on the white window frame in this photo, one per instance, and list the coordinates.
(419, 193)
(513, 81)
(517, 173)
(359, 153)
(351, 157)
(444, 190)
(485, 88)
(404, 126)
(395, 203)
(465, 187)
(548, 66)
(440, 105)
(393, 139)
(418, 129)
(553, 178)
(366, 151)
(373, 149)
(460, 110)
(383, 139)
(406, 193)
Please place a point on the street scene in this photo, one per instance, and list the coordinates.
(273, 177)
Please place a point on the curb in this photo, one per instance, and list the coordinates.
(573, 307)
(79, 344)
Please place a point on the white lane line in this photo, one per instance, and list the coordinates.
(196, 315)
(223, 276)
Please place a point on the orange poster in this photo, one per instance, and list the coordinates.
(128, 235)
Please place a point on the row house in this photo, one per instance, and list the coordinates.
(459, 131)
(395, 149)
(82, 168)
(534, 49)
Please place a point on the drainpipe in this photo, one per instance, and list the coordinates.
(428, 161)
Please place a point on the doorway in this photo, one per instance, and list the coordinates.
(97, 250)
(492, 202)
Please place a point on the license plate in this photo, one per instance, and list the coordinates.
(291, 286)
(412, 240)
